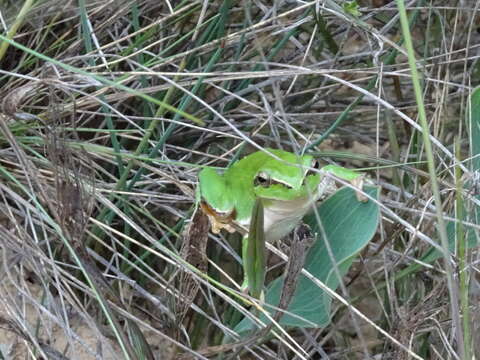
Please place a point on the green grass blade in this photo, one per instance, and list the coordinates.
(441, 226)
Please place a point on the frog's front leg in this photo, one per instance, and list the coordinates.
(355, 178)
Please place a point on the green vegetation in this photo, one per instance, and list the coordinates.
(109, 110)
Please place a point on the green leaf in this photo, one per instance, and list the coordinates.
(348, 225)
(352, 8)
(475, 128)
(474, 132)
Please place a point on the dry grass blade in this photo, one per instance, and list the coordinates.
(302, 241)
(45, 349)
(193, 251)
(95, 156)
(75, 205)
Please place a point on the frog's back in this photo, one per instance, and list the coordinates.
(241, 177)
(245, 170)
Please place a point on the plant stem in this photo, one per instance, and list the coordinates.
(27, 5)
(441, 227)
(462, 252)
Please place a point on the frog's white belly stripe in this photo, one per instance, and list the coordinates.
(280, 217)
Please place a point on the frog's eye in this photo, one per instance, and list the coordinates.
(262, 179)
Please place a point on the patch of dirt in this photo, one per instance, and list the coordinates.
(26, 316)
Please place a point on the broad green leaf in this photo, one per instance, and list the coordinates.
(475, 129)
(348, 226)
(474, 182)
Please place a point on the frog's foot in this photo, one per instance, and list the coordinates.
(357, 183)
(218, 220)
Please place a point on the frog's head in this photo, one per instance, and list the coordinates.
(289, 178)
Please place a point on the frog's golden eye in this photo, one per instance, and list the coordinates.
(262, 179)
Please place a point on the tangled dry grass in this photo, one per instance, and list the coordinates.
(108, 110)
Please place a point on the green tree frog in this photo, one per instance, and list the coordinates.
(287, 186)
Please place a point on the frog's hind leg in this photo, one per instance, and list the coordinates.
(246, 264)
